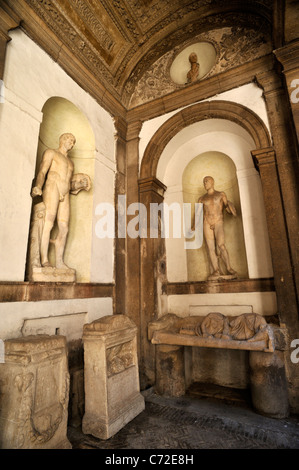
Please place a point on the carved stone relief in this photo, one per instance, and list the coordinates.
(34, 389)
(249, 331)
(119, 358)
(111, 368)
(234, 46)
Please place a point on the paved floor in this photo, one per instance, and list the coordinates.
(196, 422)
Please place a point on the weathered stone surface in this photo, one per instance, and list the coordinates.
(248, 331)
(268, 384)
(52, 274)
(170, 374)
(34, 388)
(111, 380)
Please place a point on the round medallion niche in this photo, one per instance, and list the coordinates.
(193, 63)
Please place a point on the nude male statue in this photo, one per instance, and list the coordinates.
(213, 204)
(53, 183)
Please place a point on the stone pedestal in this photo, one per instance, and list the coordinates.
(111, 379)
(269, 391)
(170, 371)
(52, 274)
(34, 391)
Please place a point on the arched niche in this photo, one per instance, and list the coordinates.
(223, 170)
(60, 116)
(217, 126)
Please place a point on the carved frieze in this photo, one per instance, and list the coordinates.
(234, 46)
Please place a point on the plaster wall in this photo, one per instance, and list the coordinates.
(31, 78)
(263, 303)
(65, 317)
(249, 95)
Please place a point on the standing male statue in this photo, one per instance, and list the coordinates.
(54, 182)
(213, 204)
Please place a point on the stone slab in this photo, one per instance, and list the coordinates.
(52, 274)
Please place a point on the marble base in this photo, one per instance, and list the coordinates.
(223, 277)
(52, 274)
(104, 427)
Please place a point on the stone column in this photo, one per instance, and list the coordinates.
(286, 155)
(34, 390)
(133, 244)
(269, 391)
(111, 378)
(282, 260)
(280, 250)
(170, 371)
(288, 56)
(152, 273)
(120, 234)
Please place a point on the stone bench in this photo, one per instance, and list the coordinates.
(251, 332)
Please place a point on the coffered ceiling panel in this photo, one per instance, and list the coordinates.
(117, 41)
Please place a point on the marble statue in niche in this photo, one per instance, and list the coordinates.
(193, 73)
(213, 229)
(55, 182)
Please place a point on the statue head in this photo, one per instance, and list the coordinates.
(68, 138)
(193, 57)
(208, 182)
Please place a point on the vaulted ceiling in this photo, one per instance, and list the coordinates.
(110, 44)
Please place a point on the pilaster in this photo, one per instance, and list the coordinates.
(286, 161)
(281, 257)
(152, 276)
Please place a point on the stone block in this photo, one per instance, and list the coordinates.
(34, 391)
(111, 377)
(268, 384)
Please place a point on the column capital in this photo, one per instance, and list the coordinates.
(133, 130)
(265, 156)
(152, 184)
(120, 128)
(269, 81)
(288, 56)
(8, 20)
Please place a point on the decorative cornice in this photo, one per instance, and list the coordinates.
(202, 90)
(151, 184)
(34, 292)
(8, 21)
(288, 56)
(264, 157)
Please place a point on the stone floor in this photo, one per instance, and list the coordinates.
(202, 419)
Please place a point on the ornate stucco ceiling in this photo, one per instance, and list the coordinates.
(117, 41)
